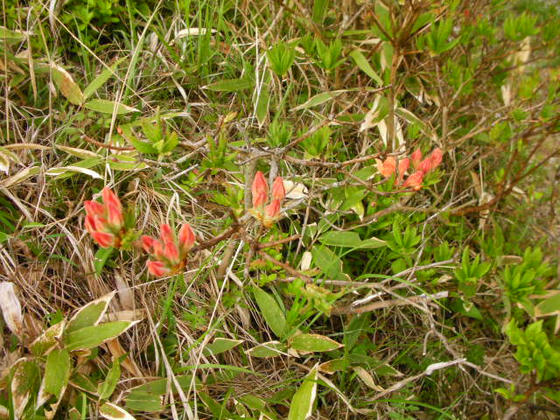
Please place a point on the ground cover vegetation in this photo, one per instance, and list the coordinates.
(279, 209)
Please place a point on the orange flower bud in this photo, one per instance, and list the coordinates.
(94, 208)
(388, 167)
(157, 268)
(186, 237)
(166, 233)
(414, 181)
(104, 239)
(109, 197)
(436, 158)
(416, 158)
(403, 167)
(273, 209)
(278, 190)
(171, 252)
(148, 243)
(259, 190)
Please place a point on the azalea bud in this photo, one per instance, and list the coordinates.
(388, 167)
(403, 167)
(91, 225)
(109, 197)
(259, 190)
(273, 209)
(114, 214)
(278, 191)
(157, 268)
(416, 158)
(166, 233)
(425, 166)
(414, 181)
(94, 208)
(171, 252)
(104, 239)
(436, 158)
(186, 237)
(148, 243)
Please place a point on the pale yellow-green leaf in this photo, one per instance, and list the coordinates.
(301, 406)
(64, 82)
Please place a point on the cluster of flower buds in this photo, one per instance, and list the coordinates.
(105, 220)
(170, 251)
(421, 167)
(267, 214)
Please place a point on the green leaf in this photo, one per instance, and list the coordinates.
(48, 340)
(112, 412)
(57, 372)
(100, 258)
(231, 85)
(268, 349)
(342, 239)
(90, 314)
(318, 99)
(105, 106)
(64, 82)
(144, 401)
(25, 381)
(301, 406)
(329, 263)
(221, 345)
(363, 64)
(100, 80)
(313, 343)
(549, 306)
(271, 311)
(89, 337)
(108, 386)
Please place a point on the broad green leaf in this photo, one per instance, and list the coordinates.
(113, 412)
(108, 386)
(74, 151)
(64, 82)
(334, 365)
(301, 406)
(100, 80)
(313, 343)
(363, 64)
(329, 263)
(268, 349)
(83, 383)
(271, 312)
(342, 239)
(221, 345)
(90, 314)
(318, 99)
(48, 340)
(231, 85)
(144, 401)
(549, 306)
(13, 35)
(105, 106)
(89, 337)
(57, 372)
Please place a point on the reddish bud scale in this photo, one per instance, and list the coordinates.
(105, 221)
(278, 190)
(414, 181)
(169, 252)
(388, 167)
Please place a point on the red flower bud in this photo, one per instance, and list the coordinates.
(104, 239)
(403, 167)
(166, 233)
(109, 197)
(414, 181)
(148, 243)
(259, 190)
(416, 158)
(94, 208)
(273, 209)
(278, 190)
(186, 237)
(157, 268)
(436, 158)
(171, 252)
(114, 214)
